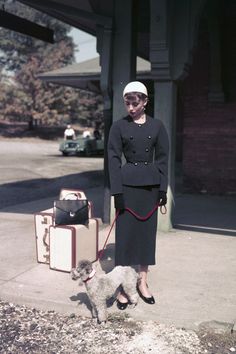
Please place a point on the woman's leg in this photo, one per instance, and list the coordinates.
(122, 300)
(143, 270)
(122, 297)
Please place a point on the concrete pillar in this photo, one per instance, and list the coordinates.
(124, 58)
(172, 31)
(124, 53)
(165, 110)
(104, 47)
(161, 16)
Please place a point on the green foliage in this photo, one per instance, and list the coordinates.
(23, 96)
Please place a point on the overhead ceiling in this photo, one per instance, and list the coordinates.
(87, 14)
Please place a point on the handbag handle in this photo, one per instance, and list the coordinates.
(77, 195)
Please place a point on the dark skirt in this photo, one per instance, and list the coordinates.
(135, 239)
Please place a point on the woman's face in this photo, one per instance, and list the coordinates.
(135, 106)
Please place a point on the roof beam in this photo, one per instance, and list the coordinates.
(70, 11)
(21, 25)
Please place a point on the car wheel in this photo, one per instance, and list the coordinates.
(88, 152)
(64, 153)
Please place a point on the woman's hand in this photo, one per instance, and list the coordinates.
(119, 201)
(162, 198)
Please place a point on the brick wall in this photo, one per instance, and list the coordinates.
(209, 129)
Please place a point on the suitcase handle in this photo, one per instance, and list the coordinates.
(44, 240)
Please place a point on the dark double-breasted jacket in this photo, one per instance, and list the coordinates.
(145, 148)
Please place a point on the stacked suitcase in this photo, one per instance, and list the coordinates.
(63, 246)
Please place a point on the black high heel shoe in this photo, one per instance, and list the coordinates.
(148, 300)
(121, 305)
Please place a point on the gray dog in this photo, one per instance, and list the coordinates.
(101, 287)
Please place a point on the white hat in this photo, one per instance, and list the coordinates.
(135, 86)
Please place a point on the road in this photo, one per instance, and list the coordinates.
(32, 169)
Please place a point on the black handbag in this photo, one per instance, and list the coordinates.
(71, 212)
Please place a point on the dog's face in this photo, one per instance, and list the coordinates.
(82, 271)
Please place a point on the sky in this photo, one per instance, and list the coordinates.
(86, 45)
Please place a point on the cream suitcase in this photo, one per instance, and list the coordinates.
(71, 243)
(76, 194)
(42, 221)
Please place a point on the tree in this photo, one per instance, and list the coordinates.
(24, 96)
(16, 47)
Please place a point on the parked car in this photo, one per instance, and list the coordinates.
(82, 146)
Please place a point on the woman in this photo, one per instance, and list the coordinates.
(139, 184)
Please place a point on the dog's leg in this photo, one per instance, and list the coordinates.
(93, 310)
(132, 294)
(102, 313)
(133, 297)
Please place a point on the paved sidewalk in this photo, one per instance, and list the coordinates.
(194, 280)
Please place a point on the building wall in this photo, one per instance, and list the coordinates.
(209, 129)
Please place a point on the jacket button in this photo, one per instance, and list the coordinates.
(140, 125)
(149, 136)
(145, 163)
(131, 137)
(146, 149)
(134, 152)
(135, 164)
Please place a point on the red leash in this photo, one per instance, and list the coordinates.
(100, 253)
(142, 218)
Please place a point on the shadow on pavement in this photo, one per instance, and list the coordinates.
(201, 213)
(206, 213)
(30, 196)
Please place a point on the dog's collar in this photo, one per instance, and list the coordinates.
(91, 275)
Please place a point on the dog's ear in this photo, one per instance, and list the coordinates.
(86, 266)
(74, 274)
(82, 264)
(87, 270)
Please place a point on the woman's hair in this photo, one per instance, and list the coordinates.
(133, 95)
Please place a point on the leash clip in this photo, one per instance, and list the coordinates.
(161, 209)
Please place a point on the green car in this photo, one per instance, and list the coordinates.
(82, 146)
